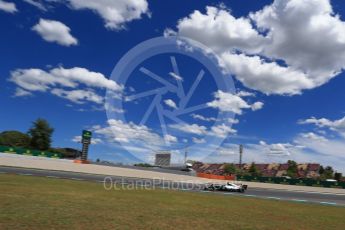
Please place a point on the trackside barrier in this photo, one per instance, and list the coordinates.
(29, 152)
(216, 177)
(301, 182)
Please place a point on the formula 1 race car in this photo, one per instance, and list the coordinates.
(228, 187)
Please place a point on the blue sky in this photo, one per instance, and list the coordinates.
(286, 59)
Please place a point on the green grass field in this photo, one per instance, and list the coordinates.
(41, 203)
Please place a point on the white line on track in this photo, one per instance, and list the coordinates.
(274, 198)
(278, 198)
(25, 174)
(301, 191)
(322, 193)
(53, 177)
(299, 200)
(73, 178)
(328, 203)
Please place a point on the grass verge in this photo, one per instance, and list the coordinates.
(44, 203)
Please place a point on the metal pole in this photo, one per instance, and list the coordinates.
(185, 156)
(241, 152)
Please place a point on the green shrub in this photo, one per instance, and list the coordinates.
(230, 169)
(15, 139)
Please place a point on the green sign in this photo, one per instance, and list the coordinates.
(87, 134)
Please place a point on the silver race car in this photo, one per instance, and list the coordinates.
(228, 187)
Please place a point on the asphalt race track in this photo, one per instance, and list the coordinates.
(110, 182)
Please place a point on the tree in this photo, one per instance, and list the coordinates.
(41, 133)
(253, 170)
(14, 139)
(230, 169)
(292, 169)
(328, 173)
(321, 170)
(338, 176)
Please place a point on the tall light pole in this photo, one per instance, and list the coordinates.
(185, 156)
(241, 152)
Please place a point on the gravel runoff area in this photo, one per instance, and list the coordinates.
(14, 160)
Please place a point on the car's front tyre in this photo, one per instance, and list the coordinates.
(241, 190)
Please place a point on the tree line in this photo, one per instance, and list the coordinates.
(292, 171)
(38, 137)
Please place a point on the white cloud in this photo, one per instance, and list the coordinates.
(123, 132)
(8, 7)
(233, 121)
(322, 122)
(218, 29)
(335, 125)
(267, 77)
(245, 94)
(94, 141)
(275, 50)
(170, 103)
(313, 136)
(78, 96)
(89, 78)
(225, 152)
(297, 28)
(227, 102)
(55, 31)
(326, 147)
(40, 80)
(170, 138)
(114, 13)
(175, 76)
(321, 149)
(64, 83)
(262, 143)
(193, 128)
(281, 149)
(202, 118)
(22, 93)
(37, 4)
(278, 149)
(169, 32)
(257, 105)
(198, 140)
(221, 131)
(112, 108)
